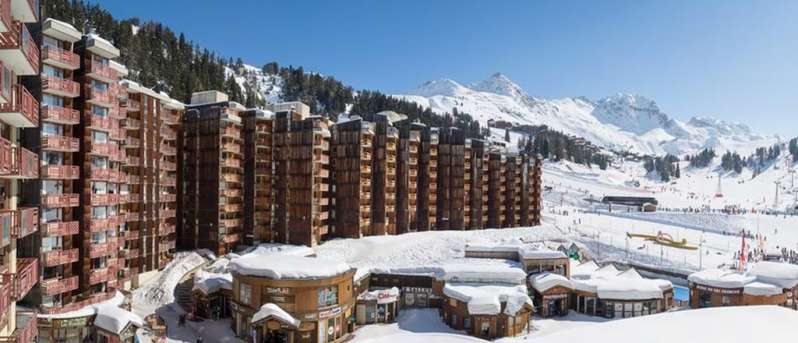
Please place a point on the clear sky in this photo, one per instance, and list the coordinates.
(734, 60)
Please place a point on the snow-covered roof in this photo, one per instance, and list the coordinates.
(784, 275)
(607, 270)
(545, 281)
(740, 324)
(273, 311)
(61, 30)
(762, 289)
(101, 46)
(486, 299)
(85, 311)
(115, 319)
(119, 67)
(620, 288)
(539, 253)
(275, 266)
(528, 251)
(278, 248)
(721, 278)
(630, 273)
(208, 282)
(584, 270)
(484, 270)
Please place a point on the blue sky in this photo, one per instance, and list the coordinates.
(734, 60)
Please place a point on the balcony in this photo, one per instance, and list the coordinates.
(105, 224)
(61, 87)
(95, 122)
(27, 276)
(168, 134)
(26, 221)
(60, 143)
(19, 51)
(134, 179)
(57, 286)
(21, 110)
(132, 235)
(60, 58)
(103, 249)
(6, 285)
(102, 275)
(171, 245)
(26, 331)
(117, 135)
(132, 105)
(167, 213)
(105, 149)
(168, 166)
(132, 124)
(133, 216)
(103, 199)
(132, 161)
(168, 181)
(101, 98)
(60, 115)
(61, 228)
(101, 72)
(169, 150)
(61, 200)
(132, 142)
(54, 258)
(6, 227)
(167, 197)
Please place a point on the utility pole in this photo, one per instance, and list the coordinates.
(776, 198)
(792, 178)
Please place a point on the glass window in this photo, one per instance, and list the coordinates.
(52, 100)
(99, 86)
(48, 41)
(98, 212)
(8, 79)
(52, 158)
(99, 111)
(98, 237)
(328, 296)
(52, 243)
(51, 215)
(245, 293)
(99, 162)
(100, 60)
(50, 129)
(99, 187)
(99, 136)
(48, 70)
(98, 262)
(52, 186)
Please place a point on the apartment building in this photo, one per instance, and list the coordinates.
(427, 199)
(211, 139)
(19, 216)
(475, 186)
(407, 181)
(451, 178)
(258, 142)
(151, 168)
(383, 205)
(352, 161)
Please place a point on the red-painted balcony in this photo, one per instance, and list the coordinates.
(60, 58)
(119, 156)
(167, 228)
(166, 246)
(118, 176)
(133, 253)
(60, 115)
(167, 213)
(168, 165)
(24, 164)
(100, 174)
(167, 197)
(132, 235)
(105, 224)
(103, 249)
(118, 135)
(27, 276)
(60, 143)
(232, 132)
(132, 142)
(102, 275)
(26, 331)
(168, 134)
(126, 198)
(94, 299)
(19, 51)
(101, 72)
(20, 109)
(61, 200)
(170, 118)
(103, 199)
(100, 98)
(132, 161)
(168, 181)
(95, 122)
(117, 112)
(134, 179)
(169, 150)
(54, 258)
(53, 229)
(60, 87)
(104, 149)
(132, 105)
(60, 172)
(57, 286)
(133, 216)
(131, 124)
(26, 221)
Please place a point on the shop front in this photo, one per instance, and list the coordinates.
(378, 306)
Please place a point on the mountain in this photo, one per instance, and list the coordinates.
(621, 122)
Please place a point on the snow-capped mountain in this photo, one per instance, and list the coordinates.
(621, 122)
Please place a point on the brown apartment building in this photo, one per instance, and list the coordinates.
(211, 174)
(258, 132)
(451, 176)
(352, 160)
(19, 216)
(407, 181)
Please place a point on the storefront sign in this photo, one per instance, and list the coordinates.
(331, 312)
(278, 290)
(70, 323)
(555, 296)
(385, 296)
(735, 291)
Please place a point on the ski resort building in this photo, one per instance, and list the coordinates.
(258, 163)
(211, 217)
(765, 283)
(292, 299)
(407, 181)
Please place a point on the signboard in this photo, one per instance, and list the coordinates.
(70, 323)
(735, 291)
(330, 313)
(278, 290)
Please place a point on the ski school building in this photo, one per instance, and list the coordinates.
(765, 283)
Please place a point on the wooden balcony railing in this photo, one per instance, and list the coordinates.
(61, 58)
(101, 123)
(57, 286)
(6, 288)
(54, 258)
(106, 223)
(60, 143)
(102, 72)
(61, 228)
(61, 200)
(27, 275)
(25, 164)
(59, 86)
(60, 115)
(60, 172)
(102, 275)
(22, 110)
(18, 39)
(103, 249)
(102, 98)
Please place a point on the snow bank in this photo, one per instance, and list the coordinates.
(783, 275)
(486, 299)
(160, 291)
(484, 270)
(115, 319)
(544, 282)
(740, 324)
(721, 278)
(208, 282)
(272, 310)
(276, 266)
(762, 289)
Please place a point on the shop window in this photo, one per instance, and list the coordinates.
(328, 296)
(245, 293)
(454, 319)
(485, 328)
(467, 323)
(725, 300)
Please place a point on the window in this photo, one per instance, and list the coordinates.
(98, 237)
(99, 111)
(99, 162)
(99, 86)
(48, 70)
(725, 301)
(52, 100)
(52, 158)
(99, 188)
(8, 79)
(245, 293)
(52, 243)
(50, 129)
(52, 186)
(467, 323)
(328, 296)
(51, 42)
(99, 136)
